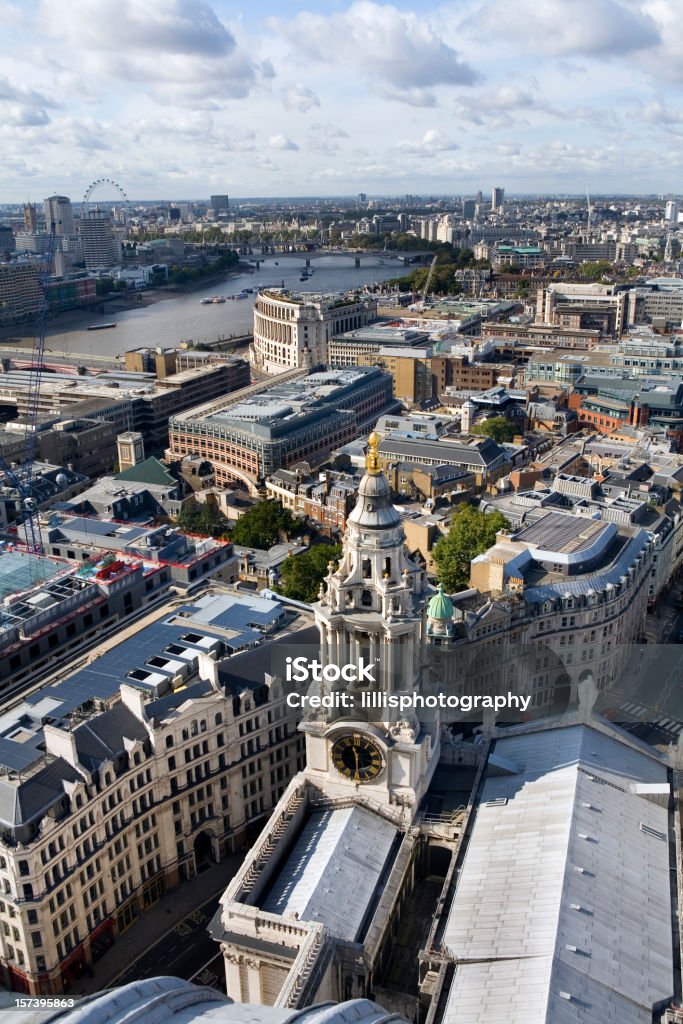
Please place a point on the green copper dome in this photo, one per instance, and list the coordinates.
(440, 606)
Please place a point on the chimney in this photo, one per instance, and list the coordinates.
(61, 743)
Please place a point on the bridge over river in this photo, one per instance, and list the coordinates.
(358, 257)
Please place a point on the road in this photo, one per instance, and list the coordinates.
(649, 699)
(183, 953)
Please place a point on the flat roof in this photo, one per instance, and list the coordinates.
(560, 532)
(21, 571)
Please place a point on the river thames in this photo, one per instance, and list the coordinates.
(182, 318)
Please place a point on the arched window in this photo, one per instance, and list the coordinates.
(367, 568)
(219, 719)
(366, 599)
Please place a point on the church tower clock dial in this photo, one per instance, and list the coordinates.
(357, 757)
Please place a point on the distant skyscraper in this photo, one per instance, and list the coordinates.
(469, 207)
(58, 210)
(100, 248)
(30, 217)
(362, 197)
(220, 206)
(480, 198)
(671, 214)
(7, 242)
(497, 198)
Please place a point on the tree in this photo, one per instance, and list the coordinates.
(262, 525)
(595, 271)
(301, 575)
(497, 428)
(471, 533)
(202, 518)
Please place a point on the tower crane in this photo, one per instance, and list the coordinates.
(425, 290)
(21, 478)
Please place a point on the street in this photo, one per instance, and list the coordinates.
(183, 952)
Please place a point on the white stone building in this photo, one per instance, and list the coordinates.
(292, 329)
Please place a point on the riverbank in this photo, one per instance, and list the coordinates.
(116, 302)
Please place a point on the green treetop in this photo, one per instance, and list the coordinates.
(471, 533)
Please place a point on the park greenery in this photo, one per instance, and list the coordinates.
(264, 525)
(448, 260)
(180, 275)
(497, 428)
(301, 575)
(595, 271)
(471, 533)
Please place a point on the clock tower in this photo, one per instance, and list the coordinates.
(370, 615)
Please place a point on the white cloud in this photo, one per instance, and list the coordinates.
(397, 51)
(498, 106)
(324, 138)
(281, 141)
(433, 141)
(603, 28)
(180, 49)
(296, 96)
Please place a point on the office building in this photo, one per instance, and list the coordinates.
(497, 199)
(346, 349)
(293, 329)
(277, 425)
(601, 306)
(671, 212)
(126, 776)
(20, 292)
(100, 248)
(58, 211)
(7, 241)
(220, 205)
(51, 605)
(469, 207)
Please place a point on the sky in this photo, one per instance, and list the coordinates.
(183, 98)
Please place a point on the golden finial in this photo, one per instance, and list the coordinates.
(372, 465)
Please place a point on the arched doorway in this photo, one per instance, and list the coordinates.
(203, 850)
(561, 695)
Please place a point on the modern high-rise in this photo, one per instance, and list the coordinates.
(58, 211)
(671, 213)
(220, 206)
(100, 247)
(469, 207)
(497, 198)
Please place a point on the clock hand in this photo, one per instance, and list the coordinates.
(355, 754)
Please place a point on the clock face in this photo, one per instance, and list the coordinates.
(357, 757)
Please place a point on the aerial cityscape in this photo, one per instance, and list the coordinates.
(341, 522)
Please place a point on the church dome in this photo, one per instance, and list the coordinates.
(440, 606)
(374, 508)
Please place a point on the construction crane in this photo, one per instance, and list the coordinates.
(425, 290)
(21, 478)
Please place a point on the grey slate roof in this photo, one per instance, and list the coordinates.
(447, 452)
(563, 909)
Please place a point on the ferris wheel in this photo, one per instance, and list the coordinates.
(109, 184)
